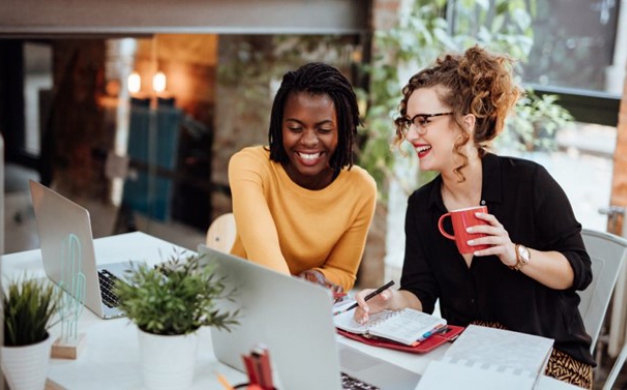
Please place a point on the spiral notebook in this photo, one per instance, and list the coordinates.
(407, 326)
(487, 358)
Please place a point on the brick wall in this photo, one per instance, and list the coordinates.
(385, 14)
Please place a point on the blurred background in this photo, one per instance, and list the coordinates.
(133, 109)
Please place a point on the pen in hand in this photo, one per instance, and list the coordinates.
(367, 297)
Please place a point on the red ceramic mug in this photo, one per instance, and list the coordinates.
(462, 219)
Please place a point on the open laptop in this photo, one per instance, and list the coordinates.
(293, 318)
(65, 235)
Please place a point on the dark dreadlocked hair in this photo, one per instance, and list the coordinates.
(318, 78)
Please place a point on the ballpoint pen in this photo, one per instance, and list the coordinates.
(367, 297)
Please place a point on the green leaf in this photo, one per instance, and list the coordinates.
(29, 306)
(176, 297)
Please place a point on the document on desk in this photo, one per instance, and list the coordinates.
(487, 358)
(407, 326)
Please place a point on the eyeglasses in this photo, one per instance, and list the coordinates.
(420, 121)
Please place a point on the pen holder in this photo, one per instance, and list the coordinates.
(258, 368)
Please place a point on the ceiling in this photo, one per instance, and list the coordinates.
(32, 18)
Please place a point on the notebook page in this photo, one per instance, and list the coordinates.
(505, 348)
(461, 374)
(489, 359)
(346, 321)
(407, 326)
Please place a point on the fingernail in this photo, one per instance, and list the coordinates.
(366, 309)
(471, 242)
(469, 230)
(478, 214)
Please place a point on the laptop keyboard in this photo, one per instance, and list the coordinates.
(352, 383)
(107, 283)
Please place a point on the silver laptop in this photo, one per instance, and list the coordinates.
(293, 318)
(65, 236)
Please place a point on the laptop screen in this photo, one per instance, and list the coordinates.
(58, 218)
(292, 317)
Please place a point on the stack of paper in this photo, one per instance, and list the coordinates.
(487, 358)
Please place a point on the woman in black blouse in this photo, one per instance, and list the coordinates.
(527, 279)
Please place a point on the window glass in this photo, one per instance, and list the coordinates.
(582, 163)
(574, 44)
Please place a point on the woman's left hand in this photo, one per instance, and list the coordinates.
(496, 236)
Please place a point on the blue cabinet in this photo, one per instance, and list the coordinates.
(152, 148)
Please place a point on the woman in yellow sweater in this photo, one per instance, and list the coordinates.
(301, 207)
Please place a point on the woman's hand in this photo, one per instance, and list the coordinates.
(551, 268)
(497, 237)
(318, 278)
(374, 305)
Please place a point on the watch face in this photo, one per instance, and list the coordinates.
(524, 253)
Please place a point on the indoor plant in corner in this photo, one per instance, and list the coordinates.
(28, 307)
(169, 303)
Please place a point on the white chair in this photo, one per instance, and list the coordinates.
(221, 233)
(618, 365)
(607, 253)
(1, 196)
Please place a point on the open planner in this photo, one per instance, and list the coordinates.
(407, 326)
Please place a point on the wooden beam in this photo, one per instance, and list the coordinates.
(118, 17)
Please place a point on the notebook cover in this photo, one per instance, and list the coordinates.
(422, 347)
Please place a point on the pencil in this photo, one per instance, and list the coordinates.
(367, 297)
(224, 382)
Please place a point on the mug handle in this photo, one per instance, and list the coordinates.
(441, 228)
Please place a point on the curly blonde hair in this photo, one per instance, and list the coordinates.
(477, 83)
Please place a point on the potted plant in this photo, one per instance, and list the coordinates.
(28, 307)
(169, 303)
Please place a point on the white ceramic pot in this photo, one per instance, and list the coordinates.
(167, 361)
(26, 367)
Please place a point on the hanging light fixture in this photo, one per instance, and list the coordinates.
(134, 83)
(159, 82)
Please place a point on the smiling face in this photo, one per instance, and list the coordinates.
(310, 137)
(435, 147)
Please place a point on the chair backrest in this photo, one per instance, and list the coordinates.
(1, 199)
(607, 253)
(221, 233)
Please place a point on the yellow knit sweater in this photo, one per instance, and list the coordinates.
(292, 229)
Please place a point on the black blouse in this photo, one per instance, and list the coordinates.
(536, 213)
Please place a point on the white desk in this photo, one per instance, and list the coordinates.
(111, 358)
